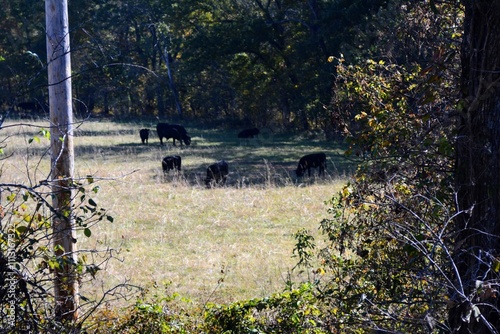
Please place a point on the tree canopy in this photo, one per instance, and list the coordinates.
(248, 61)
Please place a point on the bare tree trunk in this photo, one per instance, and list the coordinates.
(475, 299)
(61, 118)
(172, 83)
(166, 57)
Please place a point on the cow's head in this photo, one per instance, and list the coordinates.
(187, 140)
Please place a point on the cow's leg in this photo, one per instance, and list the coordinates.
(210, 178)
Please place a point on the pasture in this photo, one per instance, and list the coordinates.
(220, 245)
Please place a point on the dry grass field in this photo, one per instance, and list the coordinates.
(172, 228)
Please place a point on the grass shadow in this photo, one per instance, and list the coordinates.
(258, 162)
(268, 160)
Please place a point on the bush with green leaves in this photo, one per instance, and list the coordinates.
(155, 311)
(387, 261)
(291, 311)
(29, 258)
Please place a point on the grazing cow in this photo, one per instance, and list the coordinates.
(144, 134)
(217, 173)
(248, 133)
(311, 161)
(170, 163)
(173, 131)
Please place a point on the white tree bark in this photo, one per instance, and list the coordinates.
(62, 153)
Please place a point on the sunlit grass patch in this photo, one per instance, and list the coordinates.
(222, 244)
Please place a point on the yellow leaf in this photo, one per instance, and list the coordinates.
(320, 271)
(496, 265)
(346, 191)
(360, 116)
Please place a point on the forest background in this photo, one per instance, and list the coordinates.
(230, 62)
(407, 249)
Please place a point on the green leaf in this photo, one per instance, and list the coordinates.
(21, 229)
(54, 264)
(496, 265)
(58, 248)
(109, 218)
(87, 232)
(45, 134)
(91, 202)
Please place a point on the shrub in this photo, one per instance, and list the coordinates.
(292, 311)
(153, 312)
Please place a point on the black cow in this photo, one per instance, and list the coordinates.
(144, 134)
(171, 162)
(217, 173)
(311, 161)
(249, 133)
(173, 131)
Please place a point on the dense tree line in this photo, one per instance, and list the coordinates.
(253, 61)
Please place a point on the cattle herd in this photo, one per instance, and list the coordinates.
(217, 172)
